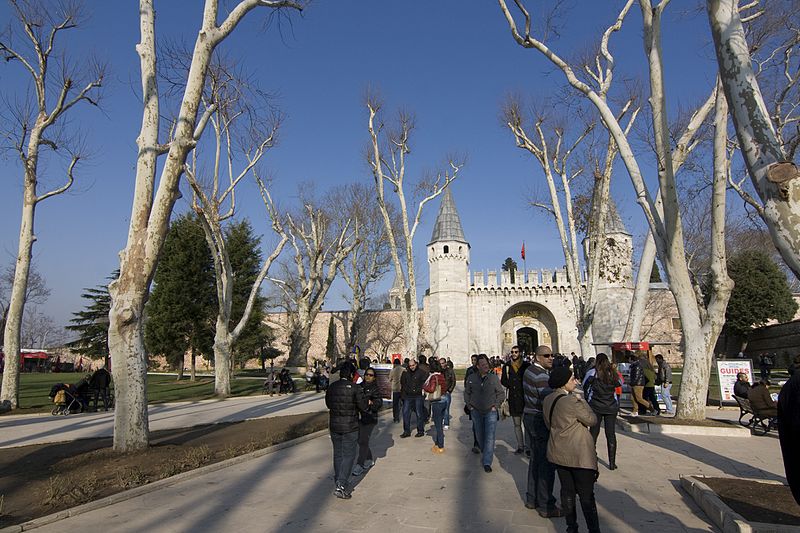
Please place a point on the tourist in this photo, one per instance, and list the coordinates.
(411, 383)
(483, 395)
(100, 385)
(472, 368)
(761, 401)
(765, 365)
(426, 405)
(637, 381)
(599, 390)
(742, 386)
(394, 382)
(649, 392)
(367, 422)
(571, 448)
(664, 378)
(541, 472)
(512, 381)
(345, 400)
(450, 379)
(438, 404)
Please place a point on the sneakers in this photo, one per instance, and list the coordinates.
(358, 470)
(446, 427)
(487, 468)
(342, 493)
(405, 435)
(435, 449)
(369, 463)
(420, 434)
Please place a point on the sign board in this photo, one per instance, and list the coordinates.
(727, 370)
(382, 379)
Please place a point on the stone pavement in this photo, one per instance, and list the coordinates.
(410, 489)
(40, 428)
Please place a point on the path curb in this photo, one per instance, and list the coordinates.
(675, 429)
(161, 483)
(723, 516)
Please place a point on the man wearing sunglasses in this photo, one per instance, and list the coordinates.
(541, 472)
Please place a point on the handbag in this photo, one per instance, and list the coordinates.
(505, 410)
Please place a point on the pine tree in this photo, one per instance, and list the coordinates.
(510, 266)
(760, 293)
(91, 324)
(181, 309)
(330, 346)
(655, 275)
(245, 254)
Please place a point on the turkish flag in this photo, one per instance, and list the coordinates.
(523, 250)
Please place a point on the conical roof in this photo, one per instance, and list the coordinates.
(448, 224)
(613, 222)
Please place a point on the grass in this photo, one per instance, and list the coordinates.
(713, 384)
(35, 387)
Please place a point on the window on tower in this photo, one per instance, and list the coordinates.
(446, 249)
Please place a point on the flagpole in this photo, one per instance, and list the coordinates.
(524, 263)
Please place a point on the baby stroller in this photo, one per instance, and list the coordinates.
(66, 399)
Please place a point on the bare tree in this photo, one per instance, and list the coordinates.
(387, 159)
(767, 140)
(382, 330)
(320, 242)
(214, 198)
(39, 330)
(371, 258)
(39, 128)
(153, 206)
(701, 323)
(36, 290)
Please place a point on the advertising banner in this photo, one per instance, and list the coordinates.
(727, 370)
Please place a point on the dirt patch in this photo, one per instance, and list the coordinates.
(41, 479)
(757, 502)
(665, 421)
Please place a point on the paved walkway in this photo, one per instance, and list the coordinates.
(36, 429)
(410, 489)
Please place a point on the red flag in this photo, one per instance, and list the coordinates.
(523, 250)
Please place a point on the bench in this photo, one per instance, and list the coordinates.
(760, 425)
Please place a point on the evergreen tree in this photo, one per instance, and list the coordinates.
(91, 324)
(330, 346)
(510, 266)
(760, 294)
(181, 308)
(244, 249)
(655, 275)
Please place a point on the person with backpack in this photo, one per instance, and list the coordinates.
(435, 389)
(345, 400)
(571, 448)
(483, 396)
(599, 390)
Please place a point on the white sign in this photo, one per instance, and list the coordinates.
(727, 371)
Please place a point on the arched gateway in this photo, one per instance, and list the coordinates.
(528, 325)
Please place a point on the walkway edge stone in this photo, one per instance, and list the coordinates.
(675, 429)
(161, 483)
(723, 516)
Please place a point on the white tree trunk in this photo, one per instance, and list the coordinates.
(641, 293)
(758, 142)
(222, 358)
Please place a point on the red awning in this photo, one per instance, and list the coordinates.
(630, 346)
(36, 355)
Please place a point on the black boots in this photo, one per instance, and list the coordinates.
(612, 455)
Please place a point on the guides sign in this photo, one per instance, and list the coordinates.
(727, 370)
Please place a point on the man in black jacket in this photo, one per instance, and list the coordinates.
(411, 383)
(345, 400)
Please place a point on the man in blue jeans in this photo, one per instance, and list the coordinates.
(411, 383)
(483, 395)
(541, 472)
(345, 400)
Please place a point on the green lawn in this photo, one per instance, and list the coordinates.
(35, 387)
(713, 384)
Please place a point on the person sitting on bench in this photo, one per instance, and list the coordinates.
(742, 387)
(760, 400)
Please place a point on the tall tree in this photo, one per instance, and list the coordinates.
(701, 323)
(91, 324)
(760, 293)
(330, 345)
(767, 150)
(510, 266)
(152, 207)
(180, 309)
(34, 38)
(387, 160)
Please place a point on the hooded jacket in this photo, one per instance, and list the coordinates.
(345, 400)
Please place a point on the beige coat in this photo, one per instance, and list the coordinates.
(570, 442)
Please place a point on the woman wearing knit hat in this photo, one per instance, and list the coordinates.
(571, 447)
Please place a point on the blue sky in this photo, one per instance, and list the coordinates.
(450, 62)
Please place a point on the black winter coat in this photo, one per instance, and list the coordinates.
(411, 383)
(345, 400)
(601, 396)
(636, 377)
(373, 397)
(513, 382)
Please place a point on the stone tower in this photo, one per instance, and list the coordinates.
(615, 287)
(448, 267)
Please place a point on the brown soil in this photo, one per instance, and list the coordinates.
(757, 502)
(666, 421)
(41, 479)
